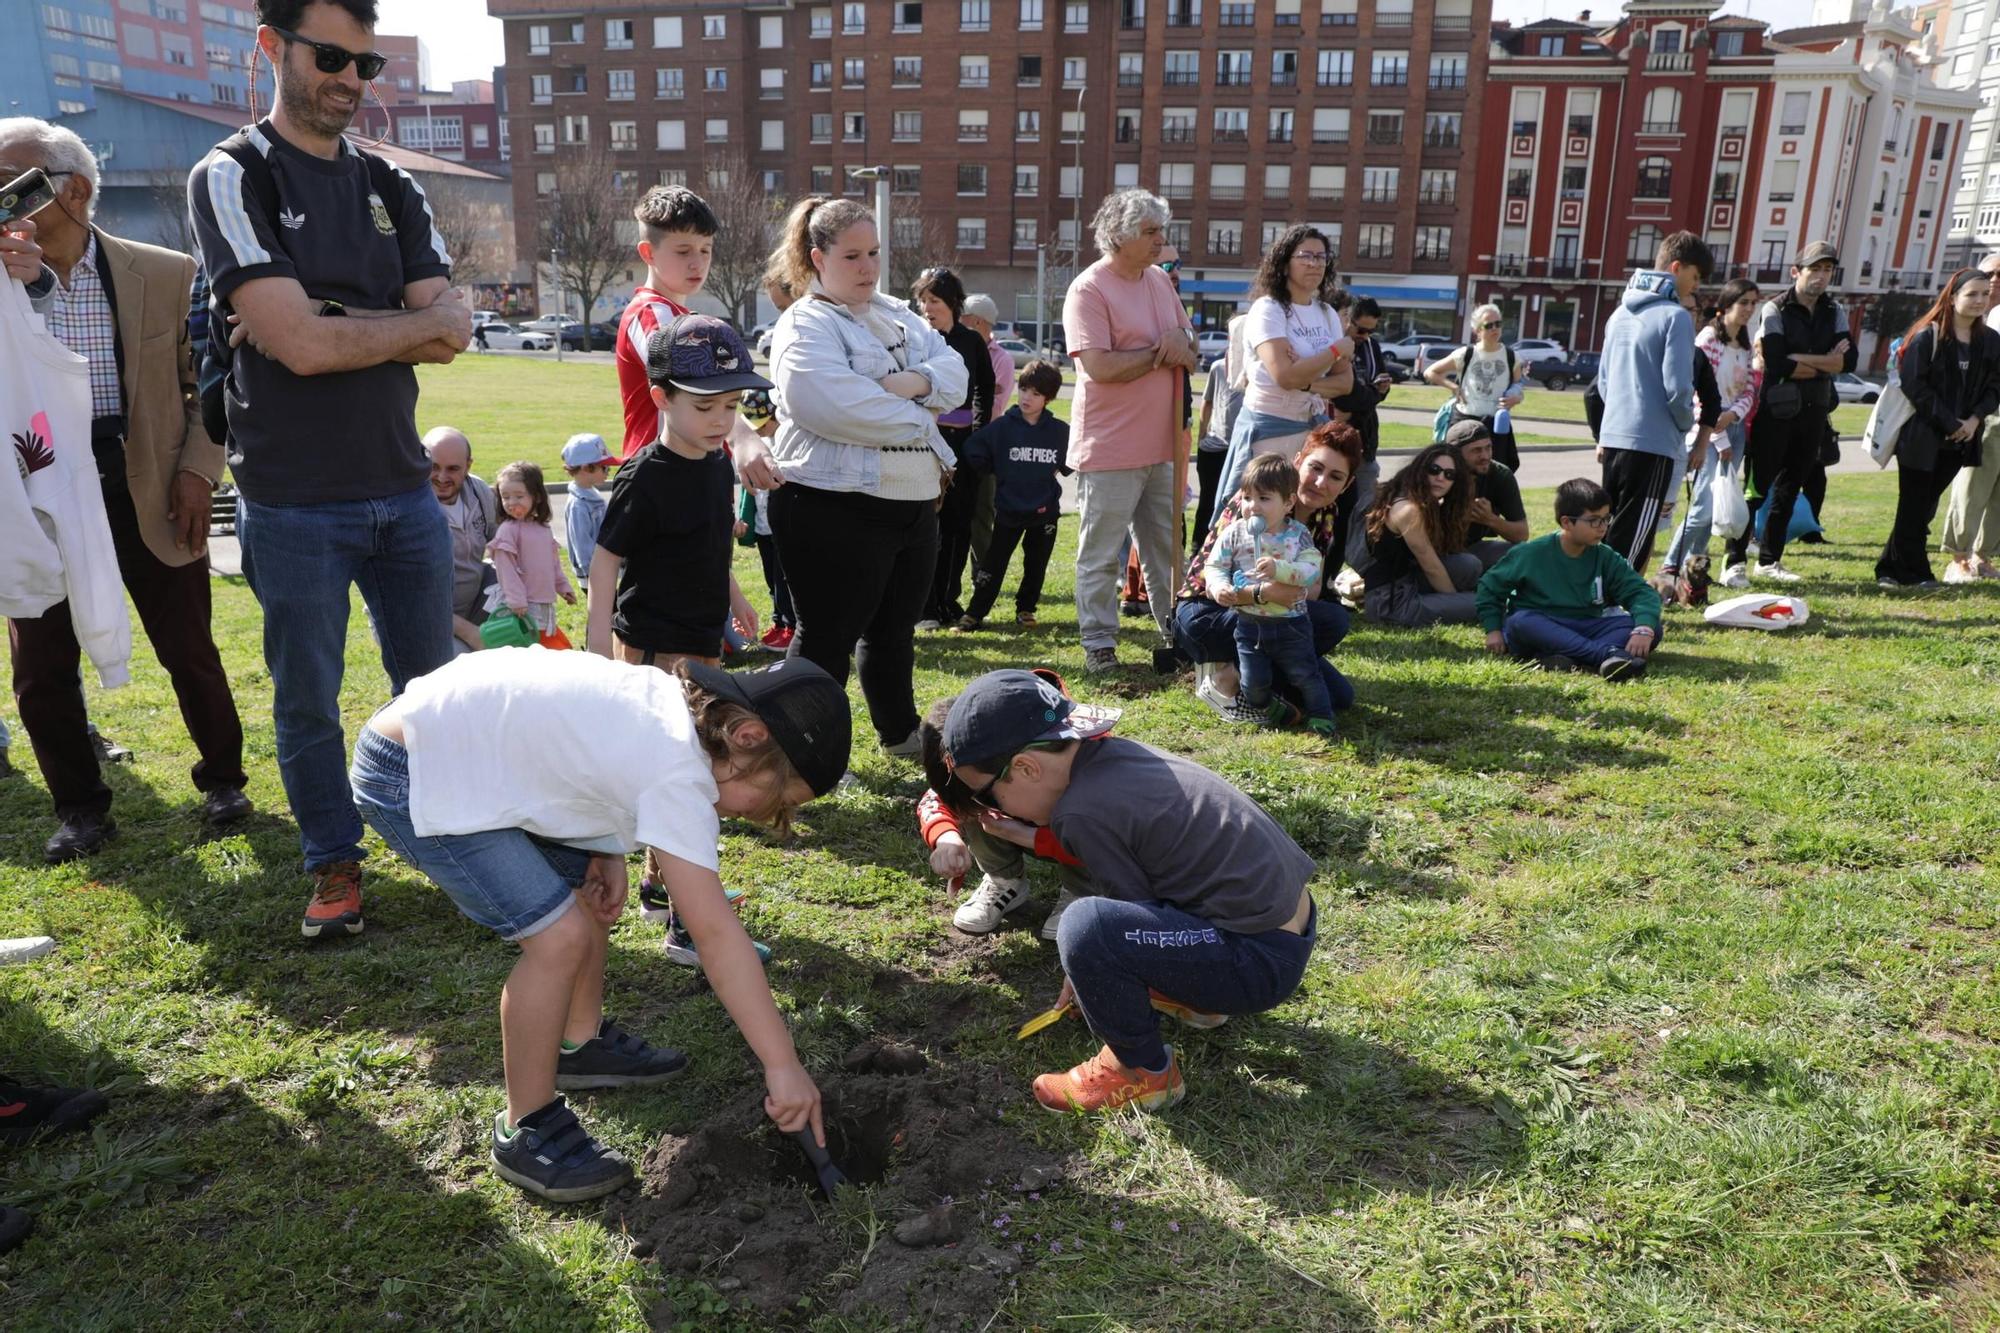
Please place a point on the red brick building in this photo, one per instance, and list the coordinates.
(1602, 140)
(1004, 122)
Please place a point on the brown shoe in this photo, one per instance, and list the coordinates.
(336, 901)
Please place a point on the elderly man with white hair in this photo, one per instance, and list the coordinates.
(122, 306)
(1133, 343)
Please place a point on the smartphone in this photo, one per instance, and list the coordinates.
(27, 194)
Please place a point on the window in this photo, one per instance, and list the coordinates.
(545, 138)
(1784, 182)
(771, 83)
(1067, 183)
(716, 79)
(1336, 69)
(1656, 178)
(1326, 184)
(670, 136)
(1177, 125)
(771, 33)
(1728, 43)
(1027, 180)
(972, 231)
(1940, 141)
(1549, 46)
(1337, 13)
(1385, 128)
(1183, 67)
(854, 127)
(1074, 68)
(1177, 180)
(1225, 181)
(1076, 17)
(1132, 13)
(1232, 125)
(1375, 241)
(972, 126)
(971, 178)
(906, 180)
(1131, 70)
(1127, 130)
(618, 84)
(541, 89)
(1379, 184)
(1437, 187)
(907, 71)
(1287, 15)
(1574, 182)
(1272, 231)
(1392, 14)
(545, 183)
(1072, 126)
(772, 134)
(1792, 118)
(1663, 112)
(1028, 125)
(576, 129)
(1125, 175)
(1724, 189)
(821, 179)
(618, 34)
(821, 74)
(853, 73)
(1645, 246)
(909, 17)
(1666, 41)
(538, 38)
(1236, 14)
(1520, 182)
(624, 136)
(854, 18)
(907, 231)
(1183, 13)
(1031, 15)
(1331, 124)
(1281, 127)
(1390, 69)
(974, 71)
(1284, 69)
(907, 126)
(1177, 236)
(1277, 181)
(1434, 242)
(716, 130)
(1232, 69)
(1028, 71)
(481, 137)
(975, 16)
(1442, 129)
(666, 33)
(1448, 73)
(1225, 238)
(714, 27)
(668, 83)
(1024, 233)
(820, 25)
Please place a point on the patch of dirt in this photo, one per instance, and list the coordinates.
(944, 1187)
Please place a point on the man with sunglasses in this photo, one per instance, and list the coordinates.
(332, 283)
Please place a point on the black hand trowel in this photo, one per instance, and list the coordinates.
(831, 1177)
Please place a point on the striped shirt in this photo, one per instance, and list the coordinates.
(79, 315)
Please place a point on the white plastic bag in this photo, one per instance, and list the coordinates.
(1759, 610)
(1731, 509)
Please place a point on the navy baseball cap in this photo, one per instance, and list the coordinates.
(1004, 712)
(701, 354)
(805, 708)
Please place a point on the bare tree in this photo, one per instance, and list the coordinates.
(167, 191)
(474, 231)
(747, 227)
(587, 224)
(928, 240)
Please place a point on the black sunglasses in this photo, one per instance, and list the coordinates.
(1436, 470)
(984, 796)
(331, 59)
(1489, 326)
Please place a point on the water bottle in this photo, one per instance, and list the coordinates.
(1503, 422)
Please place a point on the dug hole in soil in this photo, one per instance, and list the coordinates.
(940, 1179)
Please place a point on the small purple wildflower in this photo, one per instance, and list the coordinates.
(1117, 1224)
(1173, 1226)
(1034, 1198)
(1055, 1247)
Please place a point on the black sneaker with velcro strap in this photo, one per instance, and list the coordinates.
(551, 1154)
(614, 1058)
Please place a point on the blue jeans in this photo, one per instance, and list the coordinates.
(1252, 429)
(1692, 537)
(508, 881)
(1586, 642)
(1113, 951)
(1206, 632)
(1283, 644)
(300, 561)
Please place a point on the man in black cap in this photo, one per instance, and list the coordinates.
(1803, 338)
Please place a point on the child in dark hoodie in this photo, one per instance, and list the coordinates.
(1025, 450)
(1646, 377)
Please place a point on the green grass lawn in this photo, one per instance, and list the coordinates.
(1670, 1006)
(1542, 404)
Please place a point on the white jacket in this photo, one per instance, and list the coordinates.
(834, 416)
(55, 542)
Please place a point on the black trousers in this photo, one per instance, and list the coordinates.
(782, 614)
(859, 569)
(1784, 460)
(1037, 539)
(1906, 556)
(1638, 483)
(1208, 479)
(955, 516)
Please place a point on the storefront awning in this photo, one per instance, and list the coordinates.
(1417, 292)
(1220, 289)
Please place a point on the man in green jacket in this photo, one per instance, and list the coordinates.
(1568, 601)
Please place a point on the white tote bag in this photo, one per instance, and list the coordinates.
(1891, 413)
(45, 417)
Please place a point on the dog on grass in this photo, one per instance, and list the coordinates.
(1687, 587)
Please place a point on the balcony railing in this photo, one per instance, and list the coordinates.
(1229, 192)
(1237, 16)
(1177, 134)
(1451, 23)
(1378, 194)
(1337, 20)
(1129, 79)
(1241, 135)
(1227, 246)
(1331, 136)
(1509, 266)
(971, 240)
(1562, 269)
(1336, 79)
(1383, 138)
(1659, 127)
(1369, 251)
(1181, 78)
(1176, 191)
(1669, 62)
(1391, 78)
(1437, 196)
(1447, 83)
(972, 134)
(973, 80)
(1127, 132)
(1580, 126)
(1284, 78)
(1327, 194)
(1279, 134)
(1435, 140)
(1791, 129)
(1232, 78)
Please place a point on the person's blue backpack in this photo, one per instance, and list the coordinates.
(1442, 421)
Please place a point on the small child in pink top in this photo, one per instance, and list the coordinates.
(525, 554)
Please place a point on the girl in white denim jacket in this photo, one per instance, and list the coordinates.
(860, 380)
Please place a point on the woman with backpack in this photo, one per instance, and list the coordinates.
(1484, 383)
(1950, 372)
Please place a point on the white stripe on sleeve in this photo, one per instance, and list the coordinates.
(232, 219)
(437, 240)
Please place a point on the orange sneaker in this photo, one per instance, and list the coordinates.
(336, 901)
(1193, 1018)
(1102, 1084)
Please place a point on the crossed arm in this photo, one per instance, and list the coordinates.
(275, 316)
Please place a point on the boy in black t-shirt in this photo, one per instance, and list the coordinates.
(1024, 450)
(668, 521)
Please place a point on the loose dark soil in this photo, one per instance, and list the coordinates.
(736, 1205)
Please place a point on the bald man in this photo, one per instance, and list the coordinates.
(473, 513)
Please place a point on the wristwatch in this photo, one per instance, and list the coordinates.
(328, 309)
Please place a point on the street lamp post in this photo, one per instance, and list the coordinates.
(562, 297)
(880, 175)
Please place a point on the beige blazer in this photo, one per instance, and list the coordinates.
(163, 430)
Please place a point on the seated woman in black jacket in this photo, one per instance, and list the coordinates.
(1950, 372)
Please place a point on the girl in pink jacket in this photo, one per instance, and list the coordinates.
(525, 555)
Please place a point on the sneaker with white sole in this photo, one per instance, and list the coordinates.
(1736, 576)
(1206, 690)
(994, 897)
(927, 624)
(1777, 573)
(1063, 900)
(1954, 572)
(1099, 660)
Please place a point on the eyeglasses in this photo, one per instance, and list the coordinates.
(984, 795)
(331, 59)
(1309, 256)
(1592, 520)
(1489, 326)
(1170, 265)
(1439, 470)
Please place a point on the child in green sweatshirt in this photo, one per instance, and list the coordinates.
(1569, 602)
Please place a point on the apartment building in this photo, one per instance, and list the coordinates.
(57, 52)
(1003, 122)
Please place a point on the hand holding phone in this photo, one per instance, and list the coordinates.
(26, 195)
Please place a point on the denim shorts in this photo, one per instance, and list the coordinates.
(505, 879)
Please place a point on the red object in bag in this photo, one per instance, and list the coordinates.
(555, 638)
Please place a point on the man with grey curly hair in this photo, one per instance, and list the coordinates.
(1133, 345)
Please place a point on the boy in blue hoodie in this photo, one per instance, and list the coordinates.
(1646, 377)
(1025, 451)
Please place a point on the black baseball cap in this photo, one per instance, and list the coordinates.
(700, 354)
(805, 708)
(1819, 252)
(1004, 712)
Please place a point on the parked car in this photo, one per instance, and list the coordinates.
(1016, 348)
(1559, 375)
(1210, 344)
(503, 338)
(480, 317)
(549, 323)
(762, 342)
(1534, 351)
(1403, 349)
(1854, 389)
